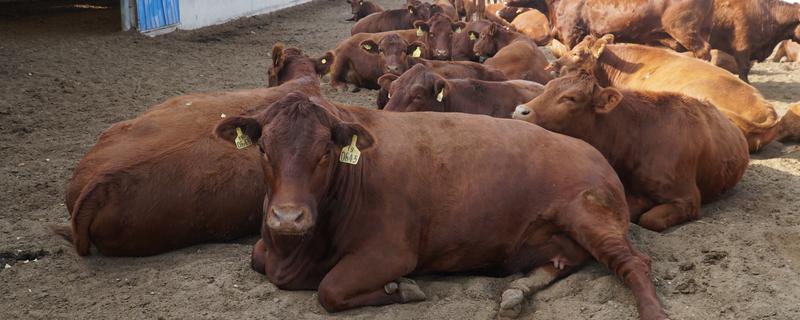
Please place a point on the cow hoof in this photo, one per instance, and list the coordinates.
(409, 290)
(390, 288)
(510, 304)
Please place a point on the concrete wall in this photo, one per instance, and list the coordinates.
(200, 13)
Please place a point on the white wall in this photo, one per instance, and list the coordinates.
(200, 13)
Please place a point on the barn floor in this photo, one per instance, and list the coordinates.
(67, 75)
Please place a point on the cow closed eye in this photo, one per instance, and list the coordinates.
(569, 99)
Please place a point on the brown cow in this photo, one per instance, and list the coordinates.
(539, 5)
(446, 8)
(363, 8)
(533, 24)
(422, 89)
(362, 58)
(639, 67)
(161, 181)
(510, 13)
(397, 19)
(684, 152)
(412, 202)
(678, 22)
(787, 49)
(446, 69)
(513, 53)
(464, 41)
(750, 29)
(437, 34)
(789, 127)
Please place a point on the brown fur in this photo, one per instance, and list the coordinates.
(397, 19)
(789, 126)
(685, 151)
(533, 24)
(363, 8)
(446, 8)
(513, 53)
(353, 229)
(787, 49)
(462, 46)
(438, 33)
(510, 13)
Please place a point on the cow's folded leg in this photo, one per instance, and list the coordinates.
(367, 280)
(663, 216)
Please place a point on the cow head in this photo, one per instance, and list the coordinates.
(438, 35)
(418, 10)
(355, 6)
(486, 43)
(464, 42)
(418, 89)
(582, 57)
(323, 64)
(289, 64)
(393, 52)
(569, 104)
(300, 142)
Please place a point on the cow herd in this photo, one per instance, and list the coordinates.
(483, 157)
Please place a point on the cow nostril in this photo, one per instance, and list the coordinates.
(525, 112)
(299, 217)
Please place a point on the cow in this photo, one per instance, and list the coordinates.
(446, 69)
(464, 41)
(685, 151)
(397, 19)
(362, 58)
(514, 53)
(485, 10)
(361, 199)
(787, 49)
(159, 182)
(789, 126)
(509, 13)
(749, 29)
(539, 5)
(422, 89)
(679, 24)
(533, 24)
(446, 8)
(363, 8)
(437, 34)
(639, 67)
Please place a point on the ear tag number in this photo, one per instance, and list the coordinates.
(417, 53)
(440, 96)
(472, 37)
(242, 140)
(419, 32)
(350, 154)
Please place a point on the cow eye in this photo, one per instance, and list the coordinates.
(569, 99)
(260, 148)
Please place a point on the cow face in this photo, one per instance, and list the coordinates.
(418, 89)
(300, 143)
(418, 10)
(486, 46)
(569, 104)
(355, 6)
(288, 64)
(438, 35)
(583, 57)
(393, 52)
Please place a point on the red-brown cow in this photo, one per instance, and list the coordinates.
(397, 19)
(363, 8)
(676, 23)
(437, 34)
(789, 127)
(363, 58)
(509, 13)
(750, 29)
(533, 24)
(446, 69)
(352, 224)
(422, 89)
(464, 41)
(162, 181)
(684, 152)
(787, 49)
(446, 8)
(513, 53)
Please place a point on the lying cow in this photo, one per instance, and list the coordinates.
(510, 13)
(437, 34)
(363, 8)
(679, 24)
(360, 199)
(513, 53)
(684, 152)
(160, 181)
(422, 89)
(789, 127)
(787, 49)
(447, 70)
(750, 29)
(533, 24)
(363, 58)
(397, 19)
(639, 67)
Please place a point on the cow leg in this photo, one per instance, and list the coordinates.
(339, 72)
(369, 279)
(258, 257)
(680, 210)
(594, 223)
(743, 62)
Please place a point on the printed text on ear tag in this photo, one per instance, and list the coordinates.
(440, 96)
(350, 154)
(419, 32)
(242, 140)
(417, 53)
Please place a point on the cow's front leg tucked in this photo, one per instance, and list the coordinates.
(369, 278)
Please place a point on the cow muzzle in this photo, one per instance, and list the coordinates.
(393, 69)
(440, 54)
(289, 219)
(522, 112)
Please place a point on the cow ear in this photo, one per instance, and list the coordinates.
(492, 29)
(342, 135)
(322, 65)
(369, 46)
(277, 55)
(417, 49)
(421, 26)
(411, 9)
(458, 26)
(606, 100)
(227, 129)
(600, 45)
(385, 81)
(440, 89)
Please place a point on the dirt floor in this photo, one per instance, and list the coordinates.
(67, 74)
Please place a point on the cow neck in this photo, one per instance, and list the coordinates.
(505, 37)
(610, 133)
(299, 67)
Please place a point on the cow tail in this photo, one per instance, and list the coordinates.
(65, 231)
(759, 134)
(83, 214)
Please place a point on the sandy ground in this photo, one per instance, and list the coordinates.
(66, 75)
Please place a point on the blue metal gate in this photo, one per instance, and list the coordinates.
(157, 14)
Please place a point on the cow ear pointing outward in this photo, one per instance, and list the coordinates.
(440, 89)
(600, 45)
(277, 55)
(369, 46)
(234, 130)
(606, 100)
(342, 135)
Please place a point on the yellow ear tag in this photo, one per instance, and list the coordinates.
(411, 11)
(350, 154)
(472, 37)
(458, 30)
(419, 32)
(417, 53)
(324, 61)
(242, 140)
(368, 47)
(440, 96)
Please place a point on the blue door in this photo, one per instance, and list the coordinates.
(157, 14)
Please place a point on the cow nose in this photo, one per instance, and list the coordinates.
(521, 112)
(393, 69)
(289, 219)
(440, 52)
